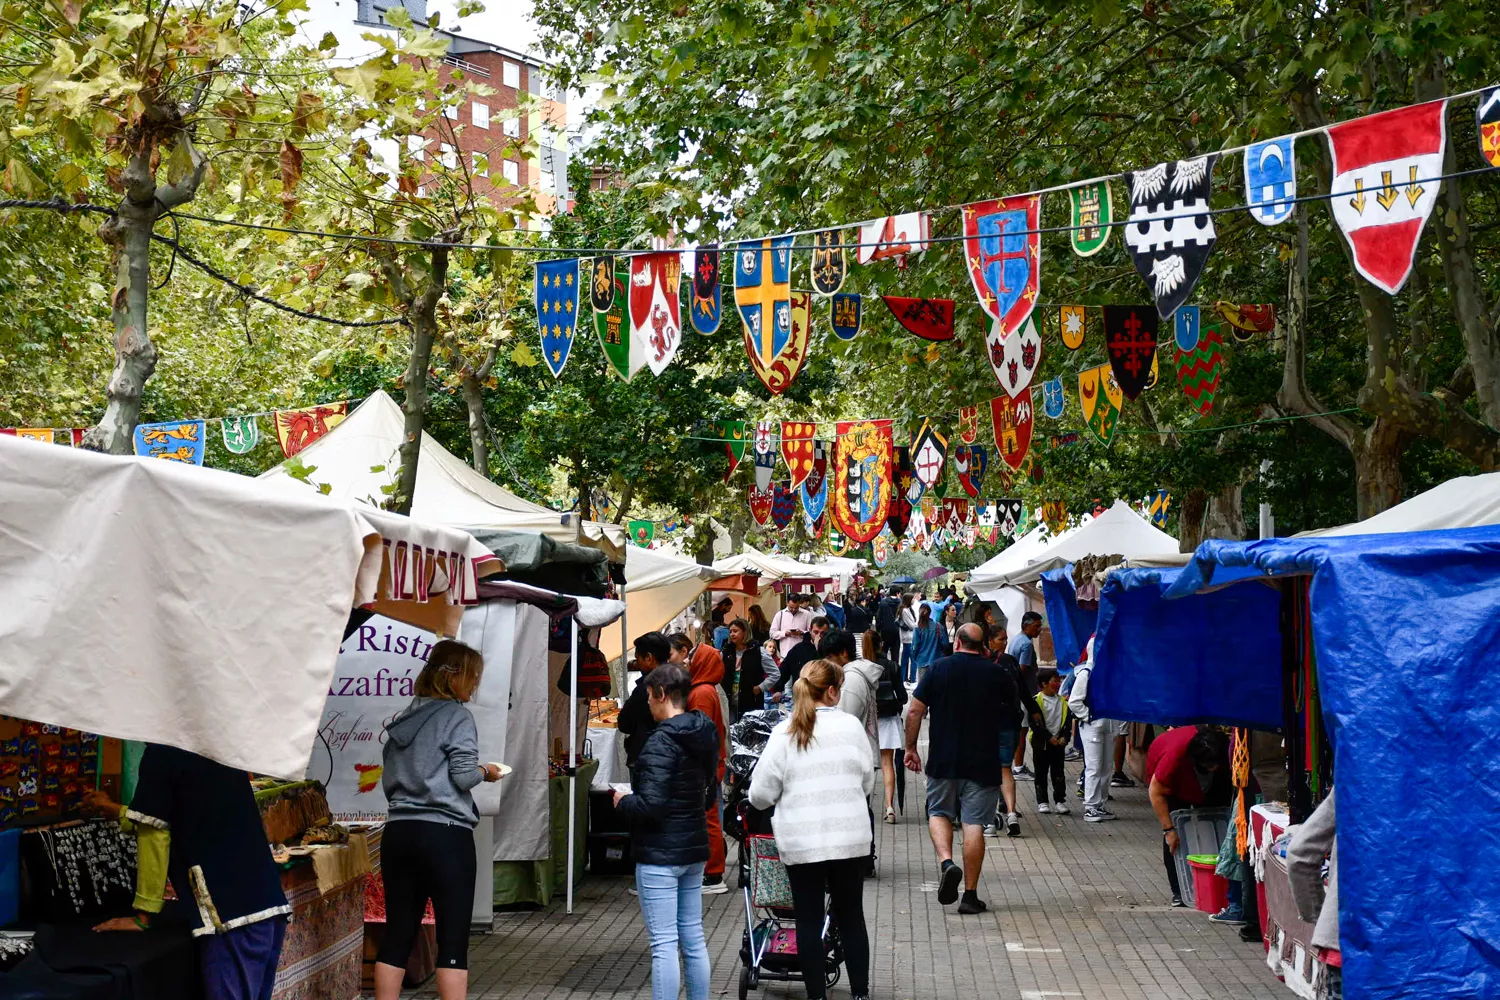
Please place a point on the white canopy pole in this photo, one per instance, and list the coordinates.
(572, 756)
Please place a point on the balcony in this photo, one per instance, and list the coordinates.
(470, 68)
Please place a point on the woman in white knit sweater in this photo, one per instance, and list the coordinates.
(818, 771)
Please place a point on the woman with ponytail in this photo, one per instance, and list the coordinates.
(818, 771)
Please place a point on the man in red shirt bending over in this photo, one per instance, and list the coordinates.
(1187, 766)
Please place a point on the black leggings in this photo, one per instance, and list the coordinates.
(844, 881)
(420, 861)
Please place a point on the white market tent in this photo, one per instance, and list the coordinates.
(1465, 502)
(1118, 531)
(149, 600)
(359, 459)
(658, 586)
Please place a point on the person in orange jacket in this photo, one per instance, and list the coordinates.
(706, 669)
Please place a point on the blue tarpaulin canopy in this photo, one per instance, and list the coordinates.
(1405, 628)
(1071, 625)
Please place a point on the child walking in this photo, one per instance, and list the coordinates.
(1051, 732)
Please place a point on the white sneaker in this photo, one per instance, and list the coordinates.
(1061, 809)
(1013, 824)
(1043, 807)
(992, 831)
(1092, 815)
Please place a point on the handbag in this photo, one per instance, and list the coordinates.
(769, 883)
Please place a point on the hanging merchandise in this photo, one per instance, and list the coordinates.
(929, 450)
(656, 306)
(783, 506)
(1246, 320)
(968, 424)
(1010, 511)
(1012, 418)
(555, 289)
(906, 479)
(880, 549)
(642, 532)
(602, 294)
(1385, 170)
(707, 308)
(296, 429)
(1157, 505)
(761, 502)
(829, 265)
(1170, 233)
(930, 319)
(1070, 324)
(814, 488)
(1003, 247)
(1198, 371)
(175, 440)
(1100, 399)
(1187, 323)
(847, 309)
(1271, 180)
(625, 354)
(1054, 398)
(775, 342)
(1055, 516)
(1093, 211)
(1130, 340)
(1015, 357)
(734, 433)
(894, 236)
(241, 434)
(860, 497)
(797, 449)
(970, 462)
(765, 454)
(1487, 117)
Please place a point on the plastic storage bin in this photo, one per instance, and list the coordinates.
(1199, 831)
(1210, 890)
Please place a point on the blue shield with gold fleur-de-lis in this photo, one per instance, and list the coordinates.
(556, 296)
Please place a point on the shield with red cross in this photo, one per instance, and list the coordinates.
(1003, 251)
(928, 453)
(1130, 338)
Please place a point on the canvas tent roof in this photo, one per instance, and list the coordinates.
(773, 568)
(658, 585)
(1118, 531)
(359, 460)
(149, 600)
(1458, 503)
(984, 578)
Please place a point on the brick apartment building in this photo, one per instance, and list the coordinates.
(492, 126)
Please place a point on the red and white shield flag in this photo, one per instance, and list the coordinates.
(1384, 186)
(655, 306)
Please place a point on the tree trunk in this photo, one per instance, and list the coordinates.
(1190, 519)
(478, 437)
(423, 316)
(129, 232)
(1377, 468)
(1225, 516)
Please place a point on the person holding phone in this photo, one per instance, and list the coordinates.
(791, 624)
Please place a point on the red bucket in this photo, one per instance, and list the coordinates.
(1210, 891)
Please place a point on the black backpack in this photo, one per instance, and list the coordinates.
(890, 694)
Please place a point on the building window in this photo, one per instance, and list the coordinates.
(548, 185)
(449, 156)
(450, 111)
(512, 127)
(510, 75)
(512, 171)
(480, 113)
(481, 165)
(416, 145)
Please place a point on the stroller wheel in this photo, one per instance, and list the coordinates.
(745, 984)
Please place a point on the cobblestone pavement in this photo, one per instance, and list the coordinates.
(1076, 910)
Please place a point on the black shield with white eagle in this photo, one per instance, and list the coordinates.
(1170, 232)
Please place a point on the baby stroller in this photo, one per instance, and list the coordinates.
(768, 950)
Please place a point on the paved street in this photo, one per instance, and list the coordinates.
(1076, 910)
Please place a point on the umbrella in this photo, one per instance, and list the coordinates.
(936, 572)
(904, 579)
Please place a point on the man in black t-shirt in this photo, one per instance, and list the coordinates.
(974, 705)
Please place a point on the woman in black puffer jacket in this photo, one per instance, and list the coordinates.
(675, 782)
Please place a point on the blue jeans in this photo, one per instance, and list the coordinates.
(672, 906)
(908, 671)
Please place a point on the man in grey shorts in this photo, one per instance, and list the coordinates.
(973, 702)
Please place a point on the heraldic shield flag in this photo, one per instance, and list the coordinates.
(1054, 398)
(601, 283)
(893, 236)
(797, 449)
(1003, 250)
(1271, 180)
(241, 434)
(1170, 233)
(706, 308)
(760, 505)
(1013, 419)
(860, 497)
(642, 532)
(814, 488)
(777, 345)
(625, 354)
(1010, 511)
(971, 462)
(829, 265)
(735, 436)
(1092, 212)
(1130, 339)
(1487, 117)
(899, 517)
(968, 424)
(847, 311)
(764, 453)
(176, 441)
(1100, 399)
(930, 319)
(907, 482)
(1198, 371)
(296, 429)
(556, 295)
(929, 453)
(1014, 357)
(783, 506)
(1157, 506)
(1071, 325)
(1384, 186)
(1187, 328)
(656, 306)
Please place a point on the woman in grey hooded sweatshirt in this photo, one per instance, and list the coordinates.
(431, 761)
